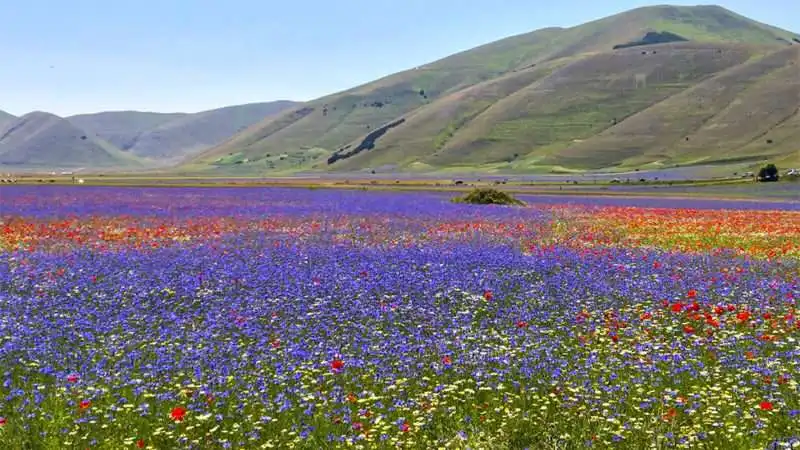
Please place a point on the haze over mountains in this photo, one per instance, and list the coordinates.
(649, 88)
(121, 139)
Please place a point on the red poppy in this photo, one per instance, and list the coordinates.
(488, 296)
(646, 316)
(669, 415)
(85, 404)
(352, 398)
(692, 293)
(522, 324)
(743, 316)
(765, 406)
(337, 365)
(615, 338)
(446, 360)
(72, 378)
(688, 329)
(140, 443)
(405, 427)
(177, 413)
(3, 421)
(677, 307)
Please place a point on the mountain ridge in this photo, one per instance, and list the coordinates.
(123, 139)
(45, 140)
(462, 91)
(653, 87)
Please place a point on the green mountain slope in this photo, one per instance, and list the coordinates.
(583, 97)
(166, 137)
(725, 118)
(122, 128)
(44, 140)
(517, 103)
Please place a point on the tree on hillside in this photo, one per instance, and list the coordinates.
(768, 173)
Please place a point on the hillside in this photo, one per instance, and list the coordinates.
(164, 137)
(200, 131)
(551, 98)
(122, 128)
(44, 140)
(5, 118)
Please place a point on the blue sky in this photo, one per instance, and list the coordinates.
(77, 56)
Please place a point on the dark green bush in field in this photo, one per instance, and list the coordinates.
(488, 196)
(768, 173)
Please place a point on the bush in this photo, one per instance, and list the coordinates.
(768, 173)
(488, 196)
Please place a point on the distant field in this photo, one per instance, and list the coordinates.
(670, 186)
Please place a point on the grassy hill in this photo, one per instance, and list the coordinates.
(196, 132)
(594, 96)
(122, 128)
(169, 137)
(44, 140)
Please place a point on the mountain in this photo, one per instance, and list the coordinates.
(41, 139)
(166, 137)
(5, 118)
(651, 87)
(122, 128)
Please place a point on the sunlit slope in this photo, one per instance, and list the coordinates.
(516, 103)
(170, 137)
(574, 100)
(744, 113)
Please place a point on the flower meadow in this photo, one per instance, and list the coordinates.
(248, 318)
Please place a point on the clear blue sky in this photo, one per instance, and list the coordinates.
(75, 56)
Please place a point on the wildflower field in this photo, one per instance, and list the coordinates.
(252, 318)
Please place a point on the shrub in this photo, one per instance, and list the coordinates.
(488, 196)
(768, 173)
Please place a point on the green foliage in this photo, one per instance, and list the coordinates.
(768, 173)
(488, 196)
